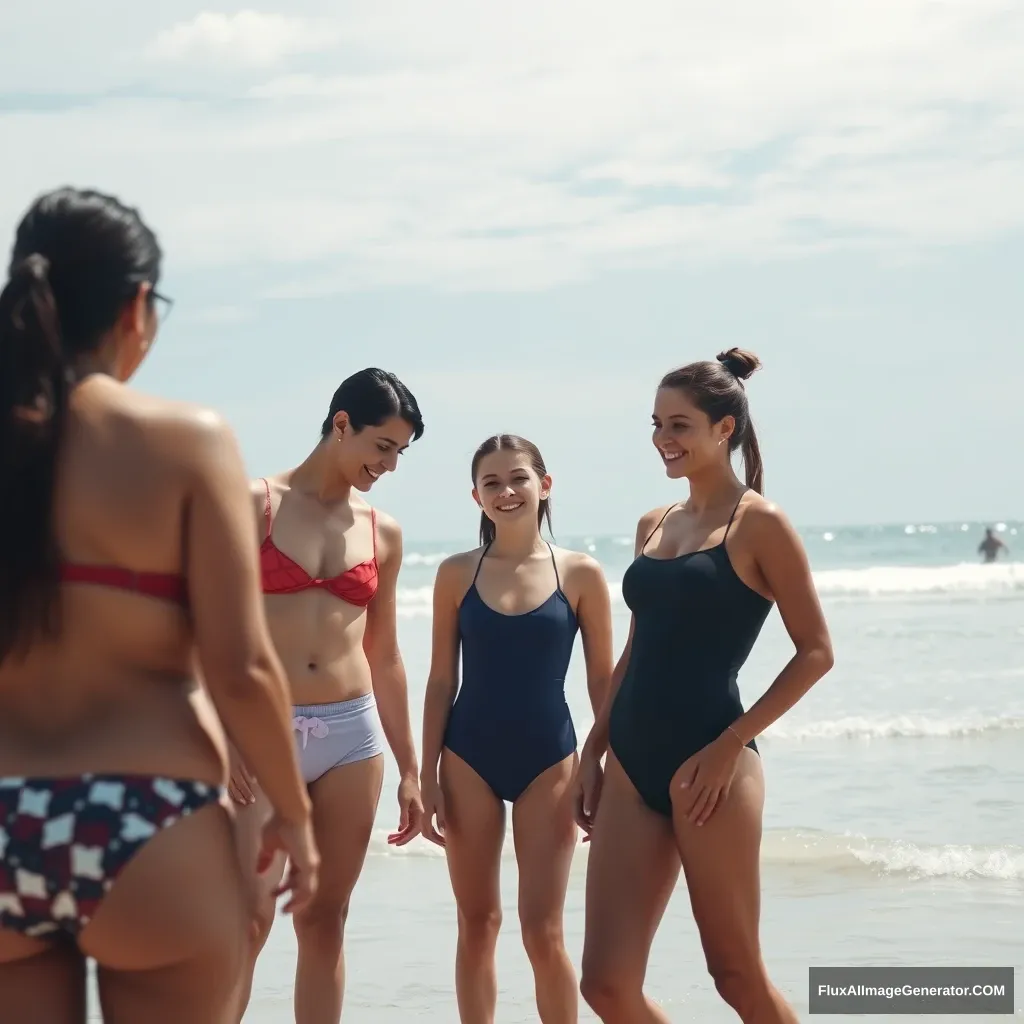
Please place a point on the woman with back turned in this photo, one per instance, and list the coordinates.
(330, 563)
(513, 607)
(126, 564)
(683, 782)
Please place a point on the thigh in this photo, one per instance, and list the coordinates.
(39, 982)
(474, 834)
(345, 803)
(633, 868)
(249, 823)
(169, 938)
(544, 832)
(721, 862)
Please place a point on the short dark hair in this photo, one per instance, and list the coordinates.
(79, 257)
(716, 387)
(370, 397)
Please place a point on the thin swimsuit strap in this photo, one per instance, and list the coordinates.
(728, 525)
(480, 563)
(660, 521)
(736, 509)
(268, 519)
(267, 512)
(554, 565)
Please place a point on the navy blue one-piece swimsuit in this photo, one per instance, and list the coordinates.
(510, 721)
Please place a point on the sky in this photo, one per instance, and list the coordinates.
(530, 212)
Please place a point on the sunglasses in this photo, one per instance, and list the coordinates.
(163, 304)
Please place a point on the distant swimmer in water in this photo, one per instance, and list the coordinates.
(682, 786)
(990, 547)
(511, 608)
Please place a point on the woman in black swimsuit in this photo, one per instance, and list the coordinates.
(683, 782)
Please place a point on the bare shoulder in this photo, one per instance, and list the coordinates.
(388, 538)
(579, 565)
(762, 521)
(455, 571)
(649, 521)
(166, 414)
(193, 437)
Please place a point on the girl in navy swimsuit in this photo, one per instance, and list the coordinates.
(513, 607)
(683, 783)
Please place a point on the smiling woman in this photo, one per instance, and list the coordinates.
(330, 565)
(512, 607)
(682, 786)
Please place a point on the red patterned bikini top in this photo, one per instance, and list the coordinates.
(281, 575)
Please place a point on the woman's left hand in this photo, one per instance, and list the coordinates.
(702, 781)
(410, 808)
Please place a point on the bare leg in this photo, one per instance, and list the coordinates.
(40, 982)
(344, 805)
(721, 860)
(545, 839)
(169, 938)
(249, 822)
(474, 833)
(632, 871)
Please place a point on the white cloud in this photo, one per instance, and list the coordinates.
(246, 38)
(463, 146)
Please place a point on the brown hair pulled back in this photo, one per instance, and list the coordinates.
(716, 388)
(510, 443)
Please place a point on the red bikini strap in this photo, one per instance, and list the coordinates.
(266, 509)
(373, 521)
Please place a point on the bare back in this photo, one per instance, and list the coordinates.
(320, 637)
(116, 690)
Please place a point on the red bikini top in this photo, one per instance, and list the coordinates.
(281, 575)
(166, 586)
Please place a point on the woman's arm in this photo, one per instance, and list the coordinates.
(781, 558)
(442, 682)
(597, 741)
(594, 614)
(380, 643)
(240, 668)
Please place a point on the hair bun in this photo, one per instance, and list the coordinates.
(740, 363)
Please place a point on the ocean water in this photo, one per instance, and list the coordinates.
(893, 824)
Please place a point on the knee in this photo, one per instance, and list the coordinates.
(260, 924)
(610, 996)
(542, 938)
(322, 926)
(479, 926)
(743, 985)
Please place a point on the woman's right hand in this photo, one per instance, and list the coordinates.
(296, 840)
(241, 781)
(433, 807)
(589, 779)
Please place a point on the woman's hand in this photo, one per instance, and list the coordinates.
(410, 812)
(589, 779)
(702, 781)
(433, 807)
(240, 780)
(296, 840)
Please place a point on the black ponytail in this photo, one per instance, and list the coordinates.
(78, 258)
(33, 407)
